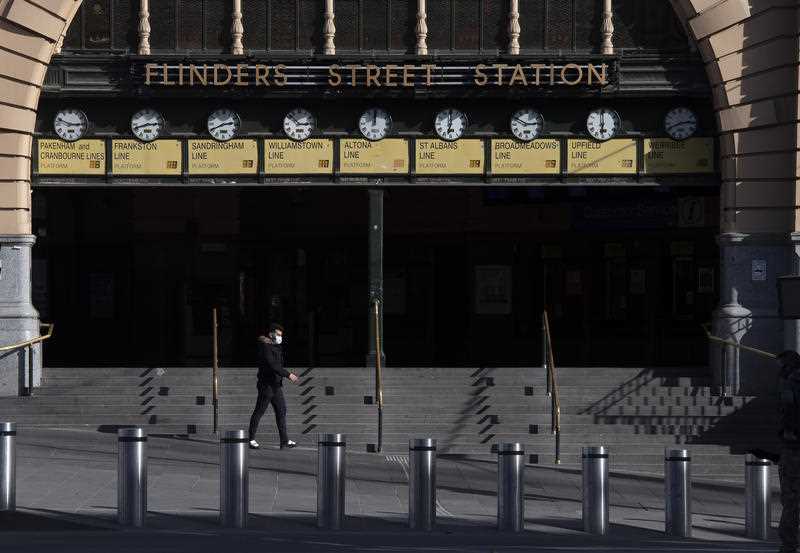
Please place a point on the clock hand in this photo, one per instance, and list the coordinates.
(151, 124)
(220, 125)
(293, 119)
(68, 123)
(374, 117)
(524, 122)
(678, 124)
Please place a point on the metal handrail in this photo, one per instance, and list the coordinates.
(378, 374)
(552, 386)
(719, 340)
(215, 369)
(32, 341)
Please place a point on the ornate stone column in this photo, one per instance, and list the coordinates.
(422, 29)
(144, 27)
(607, 29)
(329, 29)
(237, 29)
(513, 28)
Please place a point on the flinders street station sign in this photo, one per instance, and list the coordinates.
(389, 75)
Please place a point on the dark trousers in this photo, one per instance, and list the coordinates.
(270, 395)
(789, 472)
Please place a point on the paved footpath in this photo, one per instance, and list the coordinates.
(66, 495)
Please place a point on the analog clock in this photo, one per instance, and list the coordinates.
(299, 124)
(223, 124)
(680, 123)
(526, 124)
(375, 123)
(603, 124)
(147, 124)
(70, 124)
(450, 124)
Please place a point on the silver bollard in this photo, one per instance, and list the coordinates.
(330, 480)
(595, 489)
(758, 504)
(233, 480)
(511, 487)
(8, 466)
(131, 476)
(422, 484)
(677, 493)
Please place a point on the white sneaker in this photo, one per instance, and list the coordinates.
(254, 444)
(289, 445)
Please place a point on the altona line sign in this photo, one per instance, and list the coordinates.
(376, 75)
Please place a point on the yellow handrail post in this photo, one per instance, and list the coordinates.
(29, 344)
(215, 369)
(378, 375)
(552, 387)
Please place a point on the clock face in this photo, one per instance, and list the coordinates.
(70, 124)
(223, 124)
(375, 124)
(299, 124)
(450, 124)
(526, 124)
(147, 124)
(680, 123)
(603, 124)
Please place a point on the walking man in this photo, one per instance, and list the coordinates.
(789, 463)
(270, 385)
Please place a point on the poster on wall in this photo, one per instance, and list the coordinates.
(493, 290)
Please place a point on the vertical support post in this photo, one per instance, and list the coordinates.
(144, 27)
(131, 476)
(237, 29)
(607, 30)
(330, 480)
(329, 29)
(758, 504)
(678, 493)
(595, 490)
(422, 29)
(215, 368)
(233, 479)
(511, 487)
(8, 467)
(375, 332)
(422, 484)
(513, 28)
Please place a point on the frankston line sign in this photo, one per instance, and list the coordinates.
(519, 75)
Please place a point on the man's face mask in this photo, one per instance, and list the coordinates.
(277, 338)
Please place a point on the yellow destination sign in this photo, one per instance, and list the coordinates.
(82, 157)
(287, 157)
(613, 157)
(439, 157)
(235, 157)
(664, 155)
(537, 157)
(384, 157)
(160, 157)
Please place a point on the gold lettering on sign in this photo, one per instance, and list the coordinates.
(335, 78)
(480, 75)
(372, 75)
(202, 77)
(217, 67)
(262, 75)
(241, 73)
(280, 76)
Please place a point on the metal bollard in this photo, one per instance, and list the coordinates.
(8, 466)
(511, 487)
(422, 484)
(233, 480)
(678, 493)
(131, 476)
(758, 504)
(595, 489)
(330, 480)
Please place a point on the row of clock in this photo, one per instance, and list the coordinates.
(375, 123)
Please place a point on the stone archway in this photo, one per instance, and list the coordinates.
(750, 48)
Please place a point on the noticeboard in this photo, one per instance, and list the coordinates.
(439, 157)
(235, 157)
(289, 157)
(358, 156)
(537, 157)
(82, 157)
(612, 157)
(160, 157)
(667, 156)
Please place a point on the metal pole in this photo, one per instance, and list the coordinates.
(131, 476)
(678, 493)
(422, 484)
(330, 480)
(511, 487)
(233, 480)
(8, 466)
(758, 507)
(215, 369)
(375, 266)
(595, 489)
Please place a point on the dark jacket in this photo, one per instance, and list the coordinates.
(270, 363)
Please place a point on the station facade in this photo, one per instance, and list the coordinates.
(628, 166)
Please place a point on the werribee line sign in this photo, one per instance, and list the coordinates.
(516, 75)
